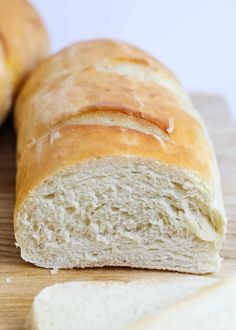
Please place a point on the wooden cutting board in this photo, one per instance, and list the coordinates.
(20, 281)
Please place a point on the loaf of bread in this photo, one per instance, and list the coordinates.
(108, 305)
(23, 43)
(115, 167)
(212, 308)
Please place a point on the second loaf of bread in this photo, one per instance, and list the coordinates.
(115, 166)
(23, 44)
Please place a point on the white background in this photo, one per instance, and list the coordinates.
(195, 38)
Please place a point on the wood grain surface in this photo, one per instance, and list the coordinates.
(20, 281)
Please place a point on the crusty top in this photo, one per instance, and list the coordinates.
(92, 85)
(71, 144)
(23, 42)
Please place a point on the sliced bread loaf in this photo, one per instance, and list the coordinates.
(115, 167)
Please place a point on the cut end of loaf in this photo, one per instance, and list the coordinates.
(120, 211)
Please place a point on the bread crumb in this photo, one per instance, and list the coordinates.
(8, 280)
(17, 245)
(54, 271)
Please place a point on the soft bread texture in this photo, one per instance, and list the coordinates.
(107, 305)
(23, 43)
(212, 308)
(115, 167)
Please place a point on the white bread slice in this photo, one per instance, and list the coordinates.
(213, 308)
(108, 305)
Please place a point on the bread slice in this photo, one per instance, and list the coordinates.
(212, 308)
(108, 305)
(115, 167)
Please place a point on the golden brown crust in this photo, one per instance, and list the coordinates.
(72, 144)
(23, 42)
(78, 62)
(75, 93)
(89, 53)
(87, 90)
